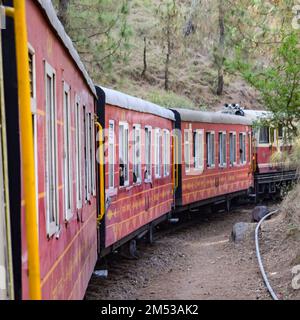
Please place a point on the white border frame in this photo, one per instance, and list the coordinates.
(244, 135)
(200, 133)
(126, 127)
(110, 189)
(157, 156)
(78, 152)
(234, 133)
(53, 227)
(148, 179)
(212, 132)
(137, 127)
(223, 165)
(33, 99)
(167, 156)
(68, 212)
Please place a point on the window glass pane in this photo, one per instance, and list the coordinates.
(264, 135)
(242, 148)
(123, 155)
(136, 155)
(30, 59)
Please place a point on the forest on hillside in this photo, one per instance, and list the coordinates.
(192, 53)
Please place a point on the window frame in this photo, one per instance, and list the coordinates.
(148, 156)
(166, 146)
(52, 227)
(91, 155)
(111, 141)
(157, 152)
(87, 154)
(264, 143)
(126, 152)
(187, 150)
(243, 134)
(93, 150)
(78, 151)
(198, 147)
(250, 146)
(221, 152)
(33, 98)
(34, 124)
(67, 160)
(213, 165)
(137, 160)
(234, 135)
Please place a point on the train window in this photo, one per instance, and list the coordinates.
(157, 153)
(187, 150)
(123, 154)
(88, 154)
(280, 132)
(93, 154)
(111, 154)
(51, 153)
(166, 153)
(232, 148)
(210, 149)
(148, 153)
(250, 146)
(242, 148)
(32, 77)
(67, 154)
(91, 146)
(198, 146)
(264, 135)
(137, 159)
(78, 121)
(222, 149)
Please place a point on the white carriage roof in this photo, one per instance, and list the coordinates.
(211, 117)
(126, 101)
(47, 7)
(256, 115)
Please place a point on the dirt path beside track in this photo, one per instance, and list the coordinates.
(195, 260)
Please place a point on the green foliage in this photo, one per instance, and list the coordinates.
(100, 31)
(278, 83)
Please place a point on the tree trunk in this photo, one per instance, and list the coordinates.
(189, 27)
(63, 11)
(145, 59)
(221, 48)
(167, 61)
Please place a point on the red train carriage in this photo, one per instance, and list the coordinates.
(138, 176)
(215, 158)
(269, 176)
(63, 112)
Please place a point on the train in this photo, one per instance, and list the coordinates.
(85, 169)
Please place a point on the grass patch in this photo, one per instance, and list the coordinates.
(170, 99)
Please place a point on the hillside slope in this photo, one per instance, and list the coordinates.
(193, 76)
(192, 71)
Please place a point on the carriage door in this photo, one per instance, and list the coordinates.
(6, 288)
